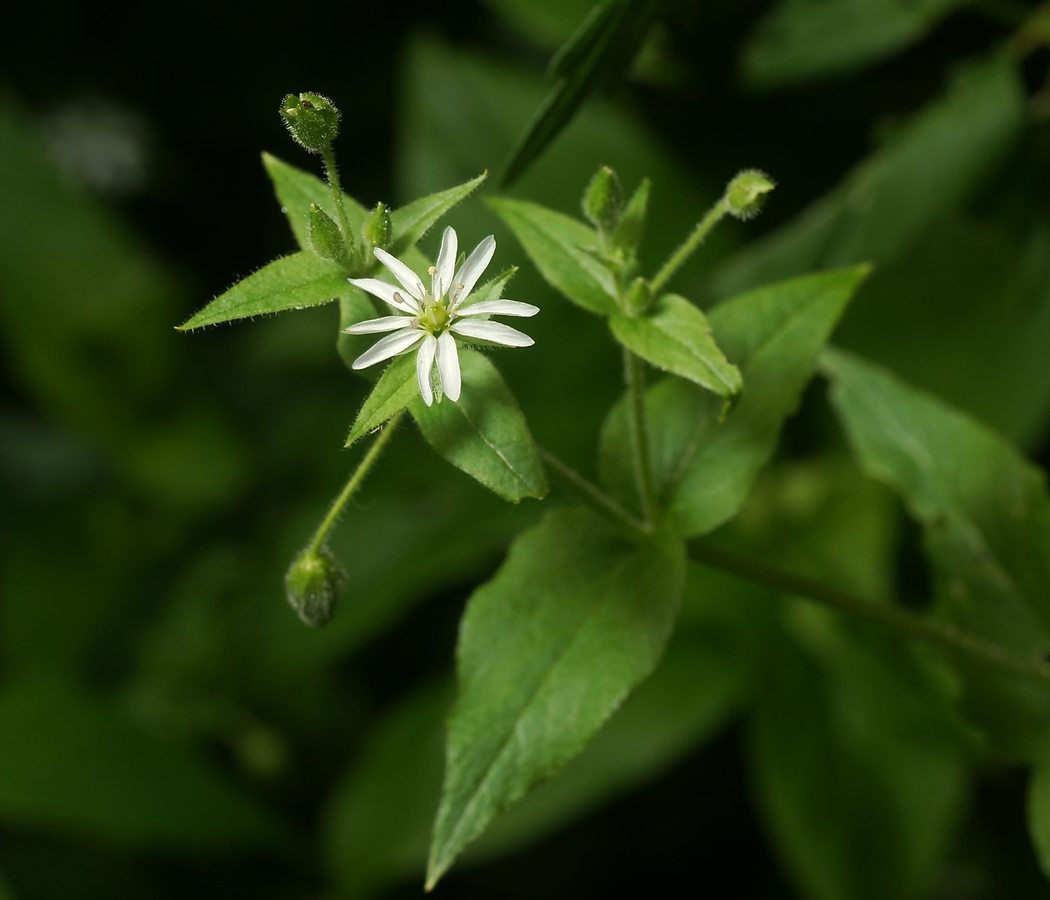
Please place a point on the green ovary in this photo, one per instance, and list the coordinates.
(435, 318)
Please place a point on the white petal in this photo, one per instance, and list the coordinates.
(498, 308)
(472, 268)
(402, 273)
(446, 264)
(496, 332)
(424, 366)
(385, 323)
(391, 345)
(448, 365)
(387, 292)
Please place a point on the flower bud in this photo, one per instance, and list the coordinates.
(603, 200)
(326, 238)
(312, 120)
(639, 298)
(378, 230)
(747, 192)
(314, 584)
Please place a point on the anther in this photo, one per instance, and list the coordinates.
(432, 270)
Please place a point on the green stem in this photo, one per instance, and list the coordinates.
(594, 497)
(336, 509)
(690, 244)
(892, 617)
(332, 173)
(634, 374)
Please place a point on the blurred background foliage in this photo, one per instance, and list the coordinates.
(169, 728)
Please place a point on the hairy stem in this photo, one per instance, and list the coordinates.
(332, 173)
(337, 507)
(594, 497)
(688, 246)
(634, 375)
(896, 619)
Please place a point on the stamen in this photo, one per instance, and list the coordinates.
(432, 270)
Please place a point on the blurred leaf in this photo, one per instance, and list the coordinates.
(411, 222)
(71, 765)
(484, 434)
(927, 169)
(291, 282)
(549, 23)
(704, 471)
(396, 388)
(675, 337)
(548, 649)
(858, 763)
(803, 39)
(1039, 813)
(600, 50)
(297, 189)
(986, 515)
(562, 249)
(962, 286)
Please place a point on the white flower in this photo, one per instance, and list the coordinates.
(432, 320)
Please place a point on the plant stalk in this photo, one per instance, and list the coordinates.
(332, 174)
(893, 617)
(337, 507)
(634, 374)
(695, 239)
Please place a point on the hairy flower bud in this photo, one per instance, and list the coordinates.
(747, 192)
(326, 238)
(639, 298)
(378, 230)
(603, 200)
(312, 120)
(628, 234)
(314, 584)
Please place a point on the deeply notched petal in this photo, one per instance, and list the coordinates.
(448, 365)
(446, 263)
(424, 366)
(499, 308)
(391, 345)
(409, 279)
(373, 326)
(387, 293)
(493, 332)
(473, 266)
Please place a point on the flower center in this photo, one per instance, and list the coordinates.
(435, 316)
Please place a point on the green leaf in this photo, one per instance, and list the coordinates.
(484, 433)
(858, 762)
(396, 388)
(71, 765)
(291, 282)
(704, 471)
(548, 649)
(675, 337)
(803, 39)
(562, 249)
(411, 222)
(601, 49)
(297, 189)
(986, 517)
(928, 168)
(1039, 813)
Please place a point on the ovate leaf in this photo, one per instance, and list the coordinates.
(484, 433)
(986, 517)
(548, 649)
(562, 249)
(291, 282)
(411, 222)
(676, 337)
(702, 470)
(297, 189)
(396, 388)
(72, 765)
(803, 39)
